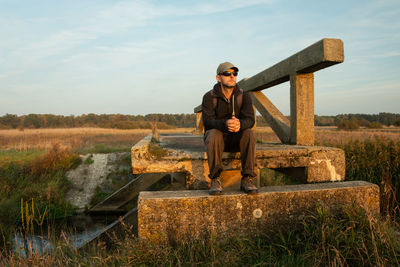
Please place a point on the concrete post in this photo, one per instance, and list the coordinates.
(199, 122)
(302, 109)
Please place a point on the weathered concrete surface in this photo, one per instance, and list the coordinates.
(86, 177)
(186, 154)
(188, 215)
(141, 148)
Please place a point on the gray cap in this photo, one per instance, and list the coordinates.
(226, 66)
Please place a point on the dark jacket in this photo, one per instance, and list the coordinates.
(216, 118)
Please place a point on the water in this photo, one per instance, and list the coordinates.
(75, 232)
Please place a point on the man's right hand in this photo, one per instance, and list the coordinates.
(233, 125)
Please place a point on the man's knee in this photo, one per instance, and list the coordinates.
(248, 135)
(213, 136)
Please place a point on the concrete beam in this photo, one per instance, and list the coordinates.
(187, 215)
(278, 122)
(322, 54)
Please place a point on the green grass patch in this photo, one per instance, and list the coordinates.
(16, 156)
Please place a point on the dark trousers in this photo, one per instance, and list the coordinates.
(217, 142)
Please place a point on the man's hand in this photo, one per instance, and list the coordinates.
(233, 124)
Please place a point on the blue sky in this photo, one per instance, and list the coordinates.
(141, 57)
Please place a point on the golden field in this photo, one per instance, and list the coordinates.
(76, 138)
(330, 135)
(73, 138)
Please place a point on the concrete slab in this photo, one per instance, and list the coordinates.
(185, 153)
(194, 214)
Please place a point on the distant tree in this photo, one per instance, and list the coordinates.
(348, 125)
(324, 120)
(363, 122)
(32, 121)
(374, 125)
(2, 126)
(10, 120)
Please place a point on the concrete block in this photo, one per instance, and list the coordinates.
(187, 215)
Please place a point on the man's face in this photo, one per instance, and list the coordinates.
(227, 81)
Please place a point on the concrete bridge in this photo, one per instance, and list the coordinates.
(178, 215)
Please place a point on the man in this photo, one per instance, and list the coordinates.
(228, 116)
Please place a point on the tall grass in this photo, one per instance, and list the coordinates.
(41, 180)
(351, 237)
(376, 160)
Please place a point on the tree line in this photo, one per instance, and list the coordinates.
(354, 121)
(120, 121)
(164, 121)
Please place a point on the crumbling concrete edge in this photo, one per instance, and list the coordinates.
(141, 148)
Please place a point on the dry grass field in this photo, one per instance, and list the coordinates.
(330, 135)
(83, 138)
(73, 138)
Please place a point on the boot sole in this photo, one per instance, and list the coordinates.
(250, 192)
(216, 193)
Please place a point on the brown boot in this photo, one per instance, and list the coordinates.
(247, 185)
(216, 187)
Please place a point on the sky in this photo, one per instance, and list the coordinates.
(142, 57)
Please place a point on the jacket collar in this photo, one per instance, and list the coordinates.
(217, 91)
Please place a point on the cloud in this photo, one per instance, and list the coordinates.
(388, 54)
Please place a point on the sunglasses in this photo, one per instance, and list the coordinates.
(228, 73)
